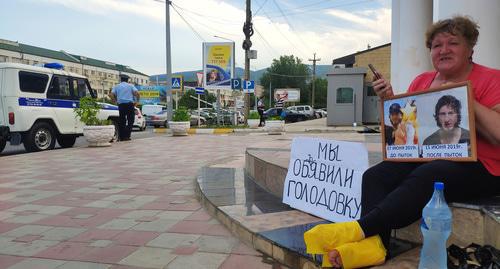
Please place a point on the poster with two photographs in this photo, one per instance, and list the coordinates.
(433, 124)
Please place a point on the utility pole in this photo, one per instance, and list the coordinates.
(314, 60)
(247, 44)
(169, 62)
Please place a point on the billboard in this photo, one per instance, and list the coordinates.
(288, 95)
(218, 65)
(151, 95)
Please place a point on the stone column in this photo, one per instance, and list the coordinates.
(411, 57)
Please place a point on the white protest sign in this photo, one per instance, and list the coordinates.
(324, 178)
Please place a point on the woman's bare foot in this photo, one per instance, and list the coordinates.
(335, 259)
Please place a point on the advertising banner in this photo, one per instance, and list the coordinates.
(151, 95)
(218, 65)
(288, 95)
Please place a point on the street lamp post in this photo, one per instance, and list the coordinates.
(168, 61)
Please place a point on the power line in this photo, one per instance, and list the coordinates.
(190, 26)
(277, 28)
(289, 76)
(291, 26)
(211, 29)
(268, 46)
(261, 6)
(299, 11)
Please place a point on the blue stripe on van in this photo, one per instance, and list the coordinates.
(40, 102)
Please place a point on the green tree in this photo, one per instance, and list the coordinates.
(191, 103)
(321, 85)
(287, 72)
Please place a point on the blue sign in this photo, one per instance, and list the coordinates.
(200, 90)
(176, 83)
(248, 84)
(236, 83)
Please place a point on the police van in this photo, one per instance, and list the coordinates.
(36, 106)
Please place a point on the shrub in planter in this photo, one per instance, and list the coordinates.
(180, 122)
(253, 119)
(254, 115)
(97, 132)
(275, 125)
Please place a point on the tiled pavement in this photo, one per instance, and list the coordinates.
(131, 205)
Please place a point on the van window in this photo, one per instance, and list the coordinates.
(59, 88)
(80, 88)
(32, 82)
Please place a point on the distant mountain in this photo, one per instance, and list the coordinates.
(321, 71)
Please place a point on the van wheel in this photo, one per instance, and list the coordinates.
(40, 137)
(2, 144)
(66, 141)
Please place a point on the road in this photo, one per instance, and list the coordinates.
(80, 142)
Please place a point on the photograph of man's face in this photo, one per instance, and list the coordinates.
(447, 118)
(395, 114)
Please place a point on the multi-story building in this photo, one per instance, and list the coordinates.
(102, 75)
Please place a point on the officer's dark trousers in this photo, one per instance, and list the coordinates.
(126, 121)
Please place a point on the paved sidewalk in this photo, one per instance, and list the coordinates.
(131, 205)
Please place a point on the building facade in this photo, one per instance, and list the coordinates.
(102, 75)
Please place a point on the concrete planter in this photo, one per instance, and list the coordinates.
(253, 123)
(179, 128)
(275, 126)
(100, 135)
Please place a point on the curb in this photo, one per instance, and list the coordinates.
(198, 131)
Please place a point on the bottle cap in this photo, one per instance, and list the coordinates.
(439, 186)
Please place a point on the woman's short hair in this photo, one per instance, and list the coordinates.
(458, 25)
(453, 103)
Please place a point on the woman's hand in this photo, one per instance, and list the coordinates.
(383, 88)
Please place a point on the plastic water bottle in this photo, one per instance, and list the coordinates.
(436, 228)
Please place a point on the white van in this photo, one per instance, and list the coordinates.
(148, 110)
(304, 109)
(36, 106)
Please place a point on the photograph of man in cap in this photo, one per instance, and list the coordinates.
(126, 95)
(395, 117)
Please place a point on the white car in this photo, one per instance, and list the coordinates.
(140, 120)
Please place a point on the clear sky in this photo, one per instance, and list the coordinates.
(132, 32)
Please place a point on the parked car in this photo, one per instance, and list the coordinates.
(158, 119)
(290, 115)
(320, 112)
(304, 109)
(140, 120)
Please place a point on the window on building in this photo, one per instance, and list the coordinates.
(59, 88)
(33, 82)
(345, 96)
(92, 72)
(3, 59)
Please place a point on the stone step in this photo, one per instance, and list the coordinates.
(475, 221)
(261, 220)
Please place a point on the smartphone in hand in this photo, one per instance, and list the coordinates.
(376, 74)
